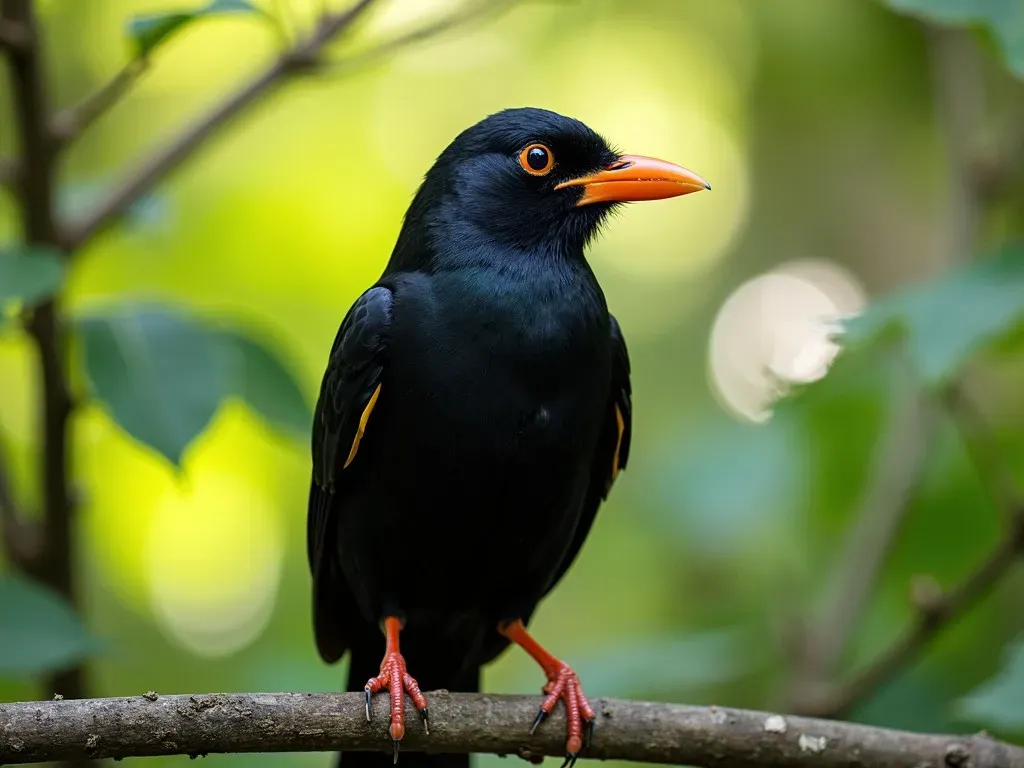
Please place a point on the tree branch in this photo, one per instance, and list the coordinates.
(982, 451)
(873, 531)
(934, 614)
(935, 609)
(303, 722)
(299, 57)
(303, 56)
(35, 192)
(70, 123)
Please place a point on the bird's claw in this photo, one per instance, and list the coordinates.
(540, 718)
(394, 677)
(564, 685)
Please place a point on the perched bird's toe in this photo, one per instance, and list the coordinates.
(394, 677)
(564, 685)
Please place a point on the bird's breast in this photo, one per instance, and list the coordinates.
(505, 368)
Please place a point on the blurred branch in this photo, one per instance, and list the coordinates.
(303, 56)
(873, 531)
(477, 12)
(35, 194)
(70, 123)
(958, 82)
(10, 171)
(935, 609)
(933, 614)
(295, 59)
(13, 36)
(21, 539)
(958, 85)
(628, 730)
(983, 451)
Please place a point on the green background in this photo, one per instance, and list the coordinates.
(819, 128)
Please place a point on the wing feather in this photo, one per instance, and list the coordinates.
(348, 393)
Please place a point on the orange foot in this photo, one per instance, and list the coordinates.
(562, 684)
(394, 676)
(565, 685)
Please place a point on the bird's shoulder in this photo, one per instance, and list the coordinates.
(354, 367)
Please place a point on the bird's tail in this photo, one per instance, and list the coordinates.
(432, 673)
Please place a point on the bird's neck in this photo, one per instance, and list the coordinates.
(443, 245)
(438, 234)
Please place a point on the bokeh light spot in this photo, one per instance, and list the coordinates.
(214, 564)
(776, 330)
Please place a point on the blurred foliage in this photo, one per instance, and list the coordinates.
(28, 275)
(39, 632)
(226, 287)
(989, 294)
(1004, 19)
(998, 703)
(163, 375)
(147, 31)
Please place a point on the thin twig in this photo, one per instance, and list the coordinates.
(626, 730)
(304, 56)
(73, 121)
(162, 162)
(982, 450)
(934, 615)
(937, 610)
(461, 18)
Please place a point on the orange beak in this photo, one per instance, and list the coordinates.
(632, 178)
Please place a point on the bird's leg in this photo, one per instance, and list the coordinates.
(562, 684)
(398, 681)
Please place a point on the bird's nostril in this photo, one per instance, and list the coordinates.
(619, 165)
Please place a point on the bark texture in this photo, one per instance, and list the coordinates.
(626, 730)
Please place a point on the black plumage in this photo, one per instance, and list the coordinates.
(475, 408)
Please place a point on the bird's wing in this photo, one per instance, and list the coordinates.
(348, 393)
(612, 449)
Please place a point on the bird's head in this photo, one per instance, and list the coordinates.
(534, 180)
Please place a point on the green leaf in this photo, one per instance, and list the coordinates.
(917, 700)
(161, 373)
(1004, 19)
(999, 702)
(697, 480)
(670, 665)
(29, 274)
(947, 320)
(266, 384)
(149, 30)
(39, 632)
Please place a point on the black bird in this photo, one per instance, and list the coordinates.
(474, 414)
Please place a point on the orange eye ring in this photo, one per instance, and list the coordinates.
(537, 160)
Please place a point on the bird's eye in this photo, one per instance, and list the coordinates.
(536, 159)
